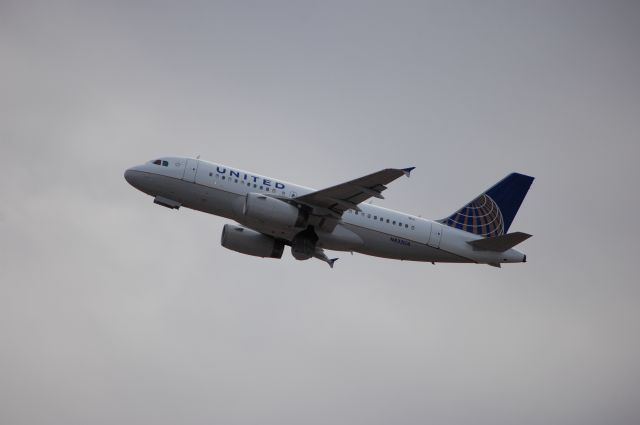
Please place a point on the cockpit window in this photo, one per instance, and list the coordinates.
(165, 163)
(161, 162)
(157, 162)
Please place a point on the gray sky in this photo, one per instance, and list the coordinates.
(115, 310)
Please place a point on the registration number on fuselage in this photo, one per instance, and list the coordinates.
(400, 241)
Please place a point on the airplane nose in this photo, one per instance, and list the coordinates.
(132, 176)
(128, 176)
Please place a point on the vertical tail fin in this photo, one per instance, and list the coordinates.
(492, 213)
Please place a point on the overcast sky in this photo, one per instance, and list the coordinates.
(114, 310)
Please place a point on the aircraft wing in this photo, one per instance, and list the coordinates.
(348, 195)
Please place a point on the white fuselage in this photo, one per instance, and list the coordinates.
(221, 190)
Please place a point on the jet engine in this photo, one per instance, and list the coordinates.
(273, 211)
(250, 242)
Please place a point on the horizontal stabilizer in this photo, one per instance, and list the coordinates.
(499, 243)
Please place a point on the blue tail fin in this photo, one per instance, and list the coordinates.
(491, 213)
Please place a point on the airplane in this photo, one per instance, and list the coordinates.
(273, 213)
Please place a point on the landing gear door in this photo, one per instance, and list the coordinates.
(436, 235)
(190, 170)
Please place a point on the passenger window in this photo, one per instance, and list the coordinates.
(210, 174)
(394, 222)
(413, 227)
(222, 177)
(368, 215)
(406, 226)
(375, 217)
(260, 187)
(400, 224)
(236, 181)
(381, 219)
(387, 220)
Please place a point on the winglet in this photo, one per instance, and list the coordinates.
(320, 255)
(407, 171)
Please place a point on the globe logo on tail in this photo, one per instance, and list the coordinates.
(481, 216)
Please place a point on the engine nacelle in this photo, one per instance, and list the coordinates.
(250, 242)
(272, 211)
